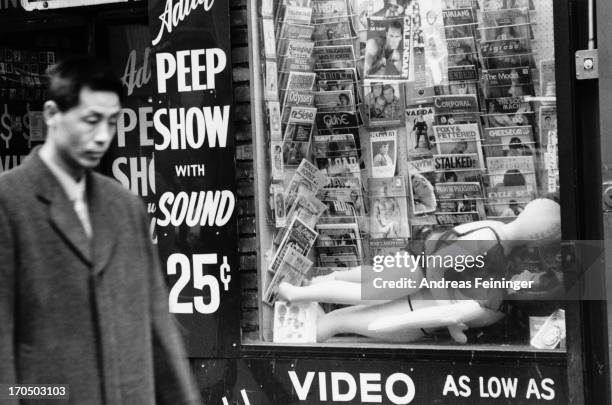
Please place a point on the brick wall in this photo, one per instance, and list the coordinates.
(244, 168)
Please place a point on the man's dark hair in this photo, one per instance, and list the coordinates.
(387, 87)
(395, 25)
(68, 77)
(514, 177)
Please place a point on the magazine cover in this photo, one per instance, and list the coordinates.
(547, 78)
(339, 100)
(339, 245)
(434, 44)
(344, 182)
(388, 208)
(337, 154)
(383, 148)
(343, 206)
(348, 74)
(293, 269)
(306, 176)
(456, 199)
(290, 64)
(387, 50)
(505, 24)
(458, 168)
(295, 322)
(271, 81)
(274, 123)
(298, 81)
(278, 199)
(461, 51)
(276, 153)
(299, 13)
(508, 112)
(296, 98)
(325, 10)
(295, 31)
(384, 104)
(463, 73)
(513, 82)
(456, 109)
(339, 75)
(422, 180)
(299, 237)
(269, 40)
(333, 33)
(307, 208)
(507, 201)
(502, 4)
(551, 162)
(333, 85)
(548, 118)
(512, 171)
(344, 202)
(419, 127)
(267, 9)
(457, 88)
(509, 141)
(334, 57)
(459, 22)
(298, 132)
(295, 14)
(459, 139)
(506, 53)
(386, 247)
(458, 16)
(337, 122)
(294, 48)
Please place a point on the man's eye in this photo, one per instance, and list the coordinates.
(91, 120)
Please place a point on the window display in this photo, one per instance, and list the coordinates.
(408, 130)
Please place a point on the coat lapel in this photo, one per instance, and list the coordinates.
(62, 216)
(104, 218)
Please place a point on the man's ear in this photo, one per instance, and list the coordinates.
(50, 111)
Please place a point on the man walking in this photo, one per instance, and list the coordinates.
(82, 299)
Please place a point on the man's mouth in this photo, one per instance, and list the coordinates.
(94, 155)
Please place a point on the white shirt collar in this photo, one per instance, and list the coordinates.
(75, 190)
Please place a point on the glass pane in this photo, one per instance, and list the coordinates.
(398, 133)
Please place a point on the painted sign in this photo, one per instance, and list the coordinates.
(191, 118)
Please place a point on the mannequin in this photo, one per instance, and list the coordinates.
(409, 318)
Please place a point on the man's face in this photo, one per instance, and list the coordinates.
(380, 105)
(389, 95)
(81, 135)
(384, 149)
(394, 36)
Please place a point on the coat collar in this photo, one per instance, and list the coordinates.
(96, 252)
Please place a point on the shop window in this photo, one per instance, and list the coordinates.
(392, 131)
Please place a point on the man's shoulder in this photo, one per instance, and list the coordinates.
(13, 179)
(113, 188)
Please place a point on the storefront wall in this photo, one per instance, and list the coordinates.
(229, 372)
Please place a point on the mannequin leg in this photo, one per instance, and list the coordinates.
(333, 291)
(353, 275)
(356, 319)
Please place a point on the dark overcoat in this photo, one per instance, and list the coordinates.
(89, 313)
